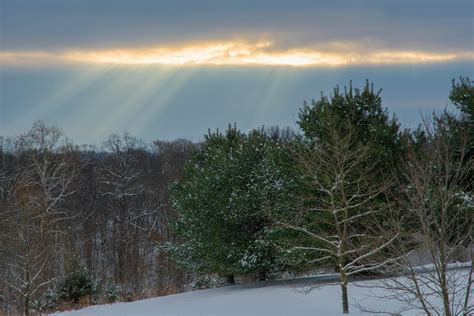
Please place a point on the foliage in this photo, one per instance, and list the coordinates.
(462, 96)
(48, 301)
(79, 282)
(222, 204)
(206, 281)
(361, 109)
(113, 292)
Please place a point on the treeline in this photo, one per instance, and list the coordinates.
(80, 222)
(352, 192)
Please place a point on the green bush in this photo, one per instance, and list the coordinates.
(113, 292)
(48, 301)
(78, 283)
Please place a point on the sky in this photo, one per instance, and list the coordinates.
(173, 69)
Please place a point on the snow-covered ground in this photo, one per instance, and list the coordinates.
(264, 298)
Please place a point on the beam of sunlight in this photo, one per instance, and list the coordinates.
(99, 105)
(161, 99)
(275, 84)
(140, 88)
(235, 53)
(77, 83)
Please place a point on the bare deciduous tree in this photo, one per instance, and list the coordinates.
(123, 185)
(341, 201)
(435, 214)
(40, 184)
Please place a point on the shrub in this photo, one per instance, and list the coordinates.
(78, 283)
(113, 291)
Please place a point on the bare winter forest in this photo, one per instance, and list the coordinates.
(104, 209)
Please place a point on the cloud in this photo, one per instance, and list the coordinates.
(236, 53)
(433, 25)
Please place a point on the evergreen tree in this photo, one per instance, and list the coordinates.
(462, 96)
(361, 109)
(222, 204)
(79, 282)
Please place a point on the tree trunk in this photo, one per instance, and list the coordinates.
(27, 306)
(469, 285)
(230, 279)
(442, 273)
(262, 276)
(345, 302)
(445, 293)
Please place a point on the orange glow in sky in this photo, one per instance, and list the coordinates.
(233, 53)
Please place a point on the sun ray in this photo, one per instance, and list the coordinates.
(162, 97)
(76, 83)
(99, 104)
(141, 87)
(275, 84)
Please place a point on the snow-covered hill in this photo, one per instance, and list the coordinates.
(264, 298)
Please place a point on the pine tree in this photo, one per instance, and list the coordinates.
(361, 109)
(222, 204)
(462, 96)
(79, 282)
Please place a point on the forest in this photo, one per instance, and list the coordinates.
(351, 191)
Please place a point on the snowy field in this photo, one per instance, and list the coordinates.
(264, 298)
